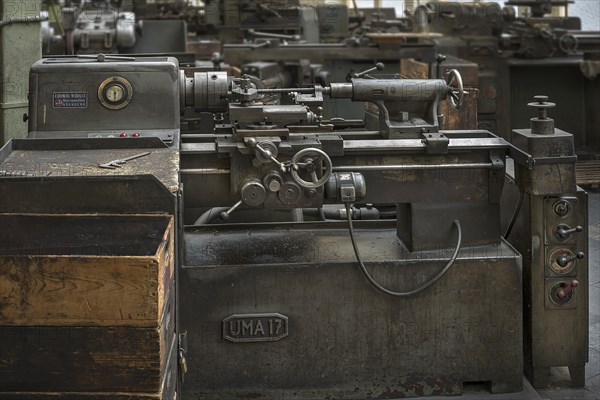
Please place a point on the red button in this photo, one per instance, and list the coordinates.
(136, 135)
(123, 135)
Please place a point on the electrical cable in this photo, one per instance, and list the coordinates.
(321, 214)
(515, 214)
(390, 292)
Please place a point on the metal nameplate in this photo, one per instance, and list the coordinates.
(246, 328)
(69, 100)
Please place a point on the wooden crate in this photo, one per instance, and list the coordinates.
(168, 388)
(87, 307)
(82, 270)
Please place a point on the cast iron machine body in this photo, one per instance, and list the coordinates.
(278, 292)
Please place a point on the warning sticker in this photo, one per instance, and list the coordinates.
(70, 100)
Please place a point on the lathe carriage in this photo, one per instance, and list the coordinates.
(313, 257)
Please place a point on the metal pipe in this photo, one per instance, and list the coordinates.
(21, 20)
(205, 171)
(401, 167)
(286, 90)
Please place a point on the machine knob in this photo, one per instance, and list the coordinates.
(564, 231)
(567, 288)
(273, 181)
(225, 215)
(562, 208)
(563, 261)
(542, 104)
(253, 193)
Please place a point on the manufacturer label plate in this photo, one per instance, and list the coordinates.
(244, 328)
(69, 100)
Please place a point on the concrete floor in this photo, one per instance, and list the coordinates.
(560, 386)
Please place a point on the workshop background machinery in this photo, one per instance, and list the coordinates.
(19, 22)
(518, 56)
(89, 27)
(380, 244)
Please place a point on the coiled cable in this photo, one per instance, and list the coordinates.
(391, 292)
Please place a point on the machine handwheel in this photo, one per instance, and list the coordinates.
(312, 161)
(456, 92)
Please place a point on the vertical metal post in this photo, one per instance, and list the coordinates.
(20, 47)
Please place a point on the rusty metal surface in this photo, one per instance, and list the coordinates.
(62, 158)
(346, 340)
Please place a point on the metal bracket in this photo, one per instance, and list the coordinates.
(522, 158)
(496, 177)
(436, 143)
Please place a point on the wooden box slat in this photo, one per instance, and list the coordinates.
(88, 359)
(81, 270)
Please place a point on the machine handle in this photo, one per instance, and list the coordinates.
(563, 261)
(378, 67)
(307, 159)
(564, 231)
(566, 290)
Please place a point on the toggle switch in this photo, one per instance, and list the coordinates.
(562, 293)
(563, 232)
(564, 260)
(567, 290)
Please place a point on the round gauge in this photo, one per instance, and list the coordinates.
(115, 93)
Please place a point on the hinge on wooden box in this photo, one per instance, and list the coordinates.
(183, 368)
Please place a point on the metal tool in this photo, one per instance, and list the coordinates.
(118, 163)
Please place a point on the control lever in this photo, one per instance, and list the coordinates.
(564, 291)
(225, 215)
(268, 35)
(564, 231)
(563, 261)
(267, 154)
(103, 57)
(378, 67)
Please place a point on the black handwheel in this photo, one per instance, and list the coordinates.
(310, 160)
(456, 89)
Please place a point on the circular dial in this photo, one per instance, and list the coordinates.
(115, 93)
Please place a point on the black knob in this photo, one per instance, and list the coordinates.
(224, 216)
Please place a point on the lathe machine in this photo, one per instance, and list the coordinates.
(313, 257)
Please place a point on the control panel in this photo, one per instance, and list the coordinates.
(562, 251)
